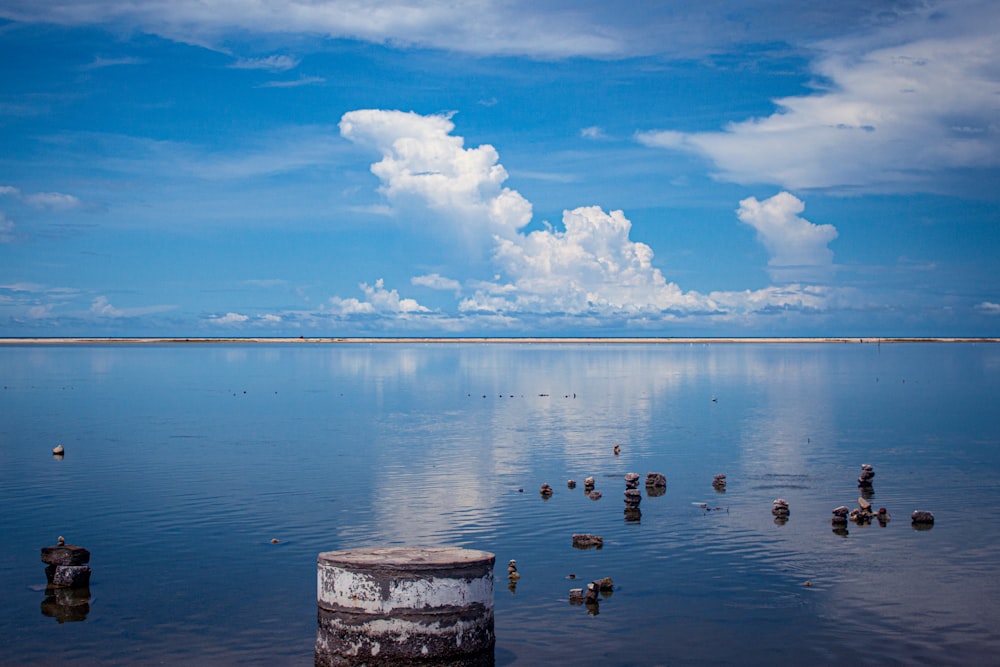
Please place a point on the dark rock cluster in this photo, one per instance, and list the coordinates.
(719, 483)
(867, 475)
(780, 510)
(68, 590)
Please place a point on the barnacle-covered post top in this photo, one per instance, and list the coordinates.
(400, 605)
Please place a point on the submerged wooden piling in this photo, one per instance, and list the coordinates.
(405, 605)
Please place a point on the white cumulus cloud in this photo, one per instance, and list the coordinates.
(423, 161)
(591, 266)
(379, 301)
(793, 243)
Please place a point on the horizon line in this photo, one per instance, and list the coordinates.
(86, 340)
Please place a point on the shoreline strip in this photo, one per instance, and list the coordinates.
(486, 340)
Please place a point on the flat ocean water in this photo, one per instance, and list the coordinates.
(183, 462)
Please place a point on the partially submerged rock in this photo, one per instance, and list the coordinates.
(656, 479)
(66, 565)
(587, 540)
(840, 515)
(867, 475)
(922, 517)
(780, 508)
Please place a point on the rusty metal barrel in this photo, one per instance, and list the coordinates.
(405, 605)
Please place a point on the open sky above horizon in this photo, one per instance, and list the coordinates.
(324, 168)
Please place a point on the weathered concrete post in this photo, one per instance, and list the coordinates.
(405, 605)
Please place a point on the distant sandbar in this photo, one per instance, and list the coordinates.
(487, 340)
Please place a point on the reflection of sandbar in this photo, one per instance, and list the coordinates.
(467, 340)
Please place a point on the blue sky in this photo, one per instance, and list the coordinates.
(388, 168)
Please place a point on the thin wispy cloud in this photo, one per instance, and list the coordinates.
(6, 229)
(294, 83)
(275, 63)
(53, 201)
(100, 62)
(548, 30)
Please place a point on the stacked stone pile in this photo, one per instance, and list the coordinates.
(719, 483)
(632, 480)
(780, 509)
(867, 476)
(66, 565)
(840, 516)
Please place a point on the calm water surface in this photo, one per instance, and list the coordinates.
(183, 462)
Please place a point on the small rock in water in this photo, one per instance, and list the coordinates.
(546, 490)
(883, 516)
(656, 479)
(594, 495)
(571, 483)
(632, 480)
(618, 450)
(586, 541)
(58, 450)
(922, 517)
